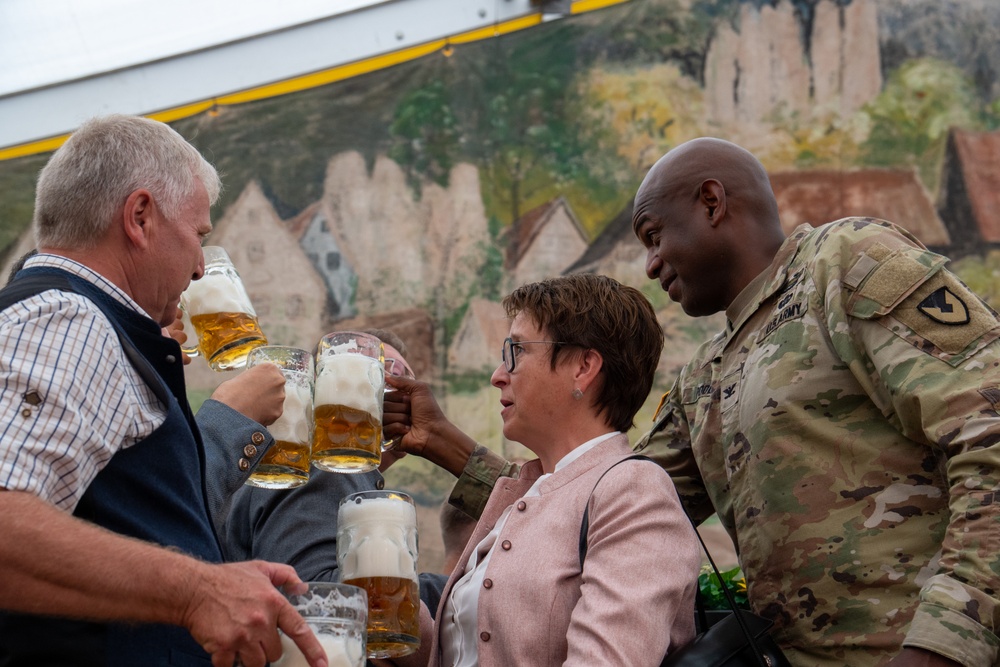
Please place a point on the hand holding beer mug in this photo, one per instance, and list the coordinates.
(286, 464)
(221, 314)
(337, 615)
(377, 551)
(396, 368)
(350, 379)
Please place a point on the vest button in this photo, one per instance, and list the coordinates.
(487, 583)
(505, 545)
(485, 636)
(250, 451)
(257, 437)
(171, 359)
(244, 465)
(521, 506)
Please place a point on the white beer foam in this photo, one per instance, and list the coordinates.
(380, 529)
(353, 380)
(215, 293)
(340, 652)
(296, 415)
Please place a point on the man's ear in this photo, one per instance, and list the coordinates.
(713, 197)
(137, 217)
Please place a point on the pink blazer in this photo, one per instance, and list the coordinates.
(633, 600)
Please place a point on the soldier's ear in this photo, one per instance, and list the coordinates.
(712, 196)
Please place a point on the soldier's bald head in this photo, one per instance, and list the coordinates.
(683, 170)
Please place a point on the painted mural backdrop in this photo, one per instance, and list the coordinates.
(414, 198)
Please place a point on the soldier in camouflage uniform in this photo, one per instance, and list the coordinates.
(844, 425)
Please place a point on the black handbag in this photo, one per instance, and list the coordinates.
(741, 639)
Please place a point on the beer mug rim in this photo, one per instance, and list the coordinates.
(331, 594)
(215, 254)
(324, 348)
(389, 494)
(291, 351)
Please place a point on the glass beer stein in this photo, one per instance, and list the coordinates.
(337, 615)
(286, 464)
(377, 551)
(224, 321)
(350, 379)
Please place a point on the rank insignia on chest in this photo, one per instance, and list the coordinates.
(945, 306)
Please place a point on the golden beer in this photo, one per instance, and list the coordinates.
(346, 439)
(377, 551)
(221, 313)
(348, 399)
(393, 615)
(285, 466)
(227, 338)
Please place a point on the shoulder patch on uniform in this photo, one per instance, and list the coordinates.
(948, 316)
(945, 306)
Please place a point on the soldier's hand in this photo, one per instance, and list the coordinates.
(411, 412)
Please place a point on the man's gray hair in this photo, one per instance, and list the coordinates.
(108, 158)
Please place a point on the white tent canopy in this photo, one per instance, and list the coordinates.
(67, 60)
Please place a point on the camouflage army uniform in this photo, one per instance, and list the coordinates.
(851, 399)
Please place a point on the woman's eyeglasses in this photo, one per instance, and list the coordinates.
(512, 349)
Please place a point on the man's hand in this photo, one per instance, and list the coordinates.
(176, 331)
(257, 393)
(918, 657)
(236, 610)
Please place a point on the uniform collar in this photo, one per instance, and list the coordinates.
(769, 281)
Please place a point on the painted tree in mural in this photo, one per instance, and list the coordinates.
(425, 134)
(910, 119)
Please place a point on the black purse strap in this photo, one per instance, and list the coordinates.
(585, 524)
(730, 600)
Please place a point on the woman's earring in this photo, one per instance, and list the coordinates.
(577, 394)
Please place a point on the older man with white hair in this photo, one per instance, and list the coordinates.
(108, 552)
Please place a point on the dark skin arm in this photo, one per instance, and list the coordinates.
(413, 413)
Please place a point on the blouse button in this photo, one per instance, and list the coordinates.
(485, 636)
(505, 545)
(521, 506)
(487, 583)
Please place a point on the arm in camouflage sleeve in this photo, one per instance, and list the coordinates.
(477, 480)
(669, 444)
(927, 348)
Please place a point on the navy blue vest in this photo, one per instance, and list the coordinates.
(153, 490)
